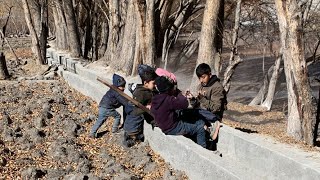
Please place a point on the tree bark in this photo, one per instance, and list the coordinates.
(234, 57)
(43, 34)
(267, 90)
(4, 74)
(74, 38)
(114, 31)
(207, 48)
(127, 50)
(62, 38)
(273, 83)
(219, 38)
(34, 37)
(104, 38)
(301, 103)
(263, 90)
(88, 30)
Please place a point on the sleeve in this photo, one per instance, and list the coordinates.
(214, 104)
(140, 97)
(123, 101)
(179, 102)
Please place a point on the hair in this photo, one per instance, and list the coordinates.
(148, 76)
(202, 69)
(163, 84)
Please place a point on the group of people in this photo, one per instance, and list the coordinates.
(174, 112)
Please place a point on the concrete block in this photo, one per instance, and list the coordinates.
(269, 158)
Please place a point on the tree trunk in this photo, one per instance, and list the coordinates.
(127, 50)
(263, 90)
(273, 83)
(43, 34)
(88, 30)
(301, 103)
(60, 25)
(36, 15)
(4, 74)
(95, 33)
(34, 37)
(114, 31)
(266, 92)
(234, 57)
(207, 48)
(219, 38)
(145, 15)
(150, 33)
(74, 38)
(104, 38)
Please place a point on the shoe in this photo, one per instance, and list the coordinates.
(92, 136)
(214, 130)
(217, 153)
(115, 130)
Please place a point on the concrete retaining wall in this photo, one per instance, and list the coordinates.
(245, 156)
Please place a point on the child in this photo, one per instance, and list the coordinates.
(108, 105)
(192, 115)
(134, 122)
(211, 95)
(164, 107)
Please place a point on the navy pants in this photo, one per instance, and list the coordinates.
(191, 129)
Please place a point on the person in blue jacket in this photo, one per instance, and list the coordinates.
(108, 105)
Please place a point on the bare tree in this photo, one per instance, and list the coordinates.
(61, 31)
(35, 40)
(234, 57)
(73, 32)
(301, 103)
(266, 93)
(4, 74)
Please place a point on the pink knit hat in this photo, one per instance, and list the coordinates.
(162, 72)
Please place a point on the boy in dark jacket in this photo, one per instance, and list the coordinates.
(108, 105)
(211, 95)
(164, 108)
(143, 93)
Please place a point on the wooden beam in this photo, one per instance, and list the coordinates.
(135, 102)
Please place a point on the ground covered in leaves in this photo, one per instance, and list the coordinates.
(254, 119)
(44, 127)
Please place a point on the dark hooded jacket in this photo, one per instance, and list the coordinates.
(112, 99)
(164, 108)
(136, 116)
(214, 99)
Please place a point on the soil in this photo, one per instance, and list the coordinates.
(44, 133)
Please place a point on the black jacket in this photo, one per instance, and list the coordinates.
(136, 116)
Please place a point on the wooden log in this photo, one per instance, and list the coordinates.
(135, 102)
(4, 74)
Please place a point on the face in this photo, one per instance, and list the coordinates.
(149, 85)
(204, 79)
(121, 88)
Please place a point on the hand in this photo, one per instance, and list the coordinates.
(188, 94)
(148, 106)
(201, 94)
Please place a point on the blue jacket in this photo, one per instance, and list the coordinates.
(112, 100)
